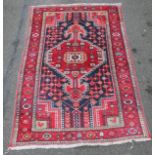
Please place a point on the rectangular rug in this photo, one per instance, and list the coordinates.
(77, 83)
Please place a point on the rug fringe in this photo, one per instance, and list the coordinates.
(7, 151)
(72, 4)
(78, 145)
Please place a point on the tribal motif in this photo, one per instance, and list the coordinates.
(77, 83)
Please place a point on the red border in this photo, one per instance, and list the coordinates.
(21, 67)
(132, 62)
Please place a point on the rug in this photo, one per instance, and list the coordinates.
(77, 83)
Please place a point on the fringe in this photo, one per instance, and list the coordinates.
(86, 4)
(78, 145)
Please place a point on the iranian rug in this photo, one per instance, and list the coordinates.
(77, 83)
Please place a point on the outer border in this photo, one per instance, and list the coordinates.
(21, 67)
(132, 69)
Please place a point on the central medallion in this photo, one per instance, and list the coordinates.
(67, 58)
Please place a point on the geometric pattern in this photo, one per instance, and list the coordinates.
(77, 84)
